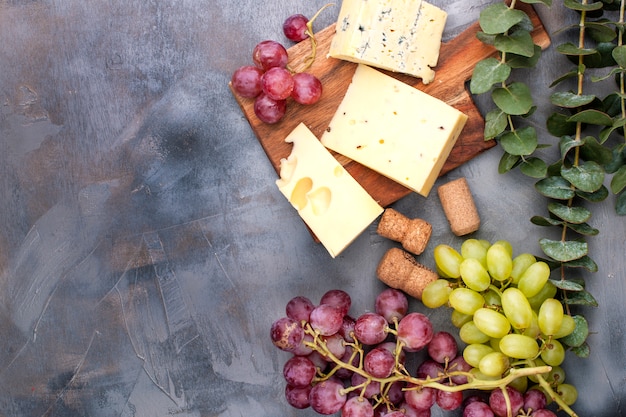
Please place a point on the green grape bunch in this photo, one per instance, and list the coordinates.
(508, 313)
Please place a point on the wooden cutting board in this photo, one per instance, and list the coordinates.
(457, 59)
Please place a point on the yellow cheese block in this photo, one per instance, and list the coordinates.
(330, 201)
(394, 129)
(396, 35)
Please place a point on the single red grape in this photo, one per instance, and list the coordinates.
(298, 397)
(277, 83)
(299, 308)
(392, 304)
(414, 331)
(269, 54)
(269, 110)
(299, 371)
(307, 88)
(246, 81)
(286, 334)
(326, 319)
(371, 328)
(339, 299)
(327, 397)
(295, 27)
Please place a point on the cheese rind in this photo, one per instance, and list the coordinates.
(330, 201)
(394, 129)
(396, 35)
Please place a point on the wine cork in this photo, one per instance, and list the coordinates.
(413, 234)
(458, 206)
(399, 269)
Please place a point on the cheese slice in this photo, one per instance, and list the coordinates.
(330, 201)
(394, 129)
(396, 35)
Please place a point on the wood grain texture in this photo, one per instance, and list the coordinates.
(456, 62)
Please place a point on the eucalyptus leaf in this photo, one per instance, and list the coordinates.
(558, 126)
(496, 122)
(555, 187)
(519, 42)
(591, 116)
(575, 5)
(569, 48)
(587, 176)
(518, 61)
(600, 30)
(620, 204)
(544, 2)
(563, 251)
(521, 142)
(545, 221)
(567, 285)
(564, 77)
(583, 229)
(584, 262)
(597, 196)
(619, 55)
(582, 351)
(499, 18)
(575, 215)
(571, 100)
(618, 181)
(514, 99)
(567, 143)
(508, 162)
(485, 38)
(580, 333)
(486, 73)
(583, 298)
(534, 167)
(591, 150)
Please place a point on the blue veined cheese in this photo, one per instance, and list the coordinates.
(397, 35)
(394, 129)
(330, 201)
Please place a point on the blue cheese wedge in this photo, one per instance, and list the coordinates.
(396, 35)
(394, 129)
(330, 201)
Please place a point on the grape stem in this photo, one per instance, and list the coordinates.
(308, 61)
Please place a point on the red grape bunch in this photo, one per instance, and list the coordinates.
(358, 366)
(270, 81)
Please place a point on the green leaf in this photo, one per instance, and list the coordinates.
(566, 144)
(574, 215)
(583, 229)
(514, 99)
(580, 333)
(508, 162)
(563, 251)
(591, 150)
(618, 181)
(558, 126)
(600, 31)
(584, 262)
(582, 351)
(522, 141)
(618, 124)
(486, 73)
(555, 187)
(519, 42)
(587, 176)
(597, 196)
(591, 116)
(620, 204)
(518, 61)
(496, 122)
(564, 77)
(486, 39)
(544, 2)
(571, 100)
(569, 48)
(575, 5)
(545, 221)
(498, 18)
(534, 167)
(619, 55)
(567, 285)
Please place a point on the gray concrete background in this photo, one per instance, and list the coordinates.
(145, 250)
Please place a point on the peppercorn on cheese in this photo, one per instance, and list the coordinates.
(396, 35)
(330, 201)
(394, 129)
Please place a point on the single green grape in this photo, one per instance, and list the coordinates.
(448, 261)
(492, 323)
(474, 353)
(548, 291)
(520, 263)
(494, 364)
(499, 262)
(568, 393)
(469, 334)
(520, 384)
(516, 308)
(482, 377)
(519, 346)
(474, 274)
(553, 353)
(465, 301)
(533, 330)
(495, 344)
(534, 278)
(492, 298)
(475, 249)
(507, 245)
(550, 316)
(535, 363)
(436, 293)
(568, 325)
(459, 319)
